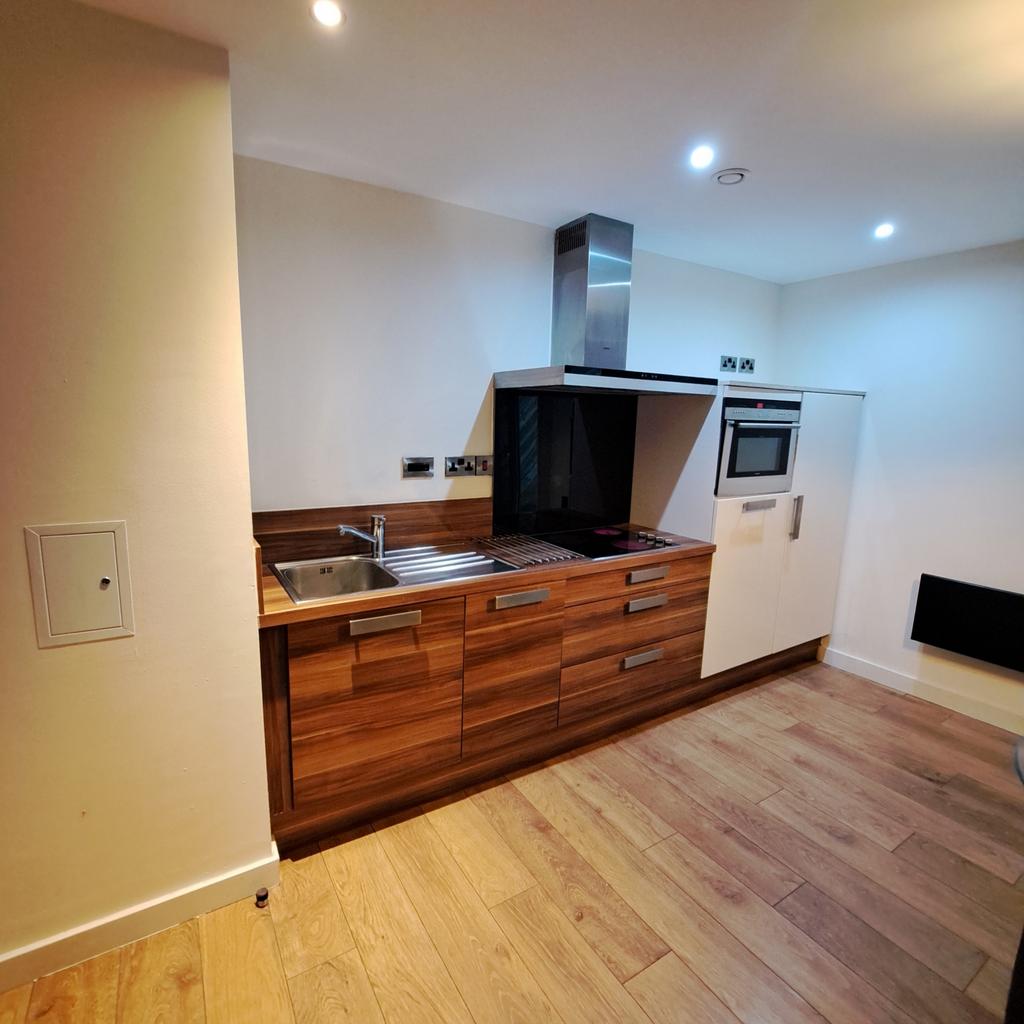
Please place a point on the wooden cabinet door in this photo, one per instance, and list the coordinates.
(375, 698)
(513, 660)
(617, 682)
(751, 536)
(819, 503)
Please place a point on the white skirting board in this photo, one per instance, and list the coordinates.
(984, 712)
(56, 952)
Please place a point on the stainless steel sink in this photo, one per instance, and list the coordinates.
(320, 578)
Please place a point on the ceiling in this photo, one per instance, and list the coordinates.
(846, 114)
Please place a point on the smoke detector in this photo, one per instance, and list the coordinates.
(731, 175)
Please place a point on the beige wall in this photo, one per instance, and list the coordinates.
(374, 319)
(938, 344)
(130, 767)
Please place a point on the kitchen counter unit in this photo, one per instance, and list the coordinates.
(378, 700)
(280, 610)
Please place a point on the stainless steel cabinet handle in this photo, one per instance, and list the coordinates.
(759, 506)
(657, 572)
(382, 623)
(635, 660)
(798, 515)
(523, 597)
(641, 604)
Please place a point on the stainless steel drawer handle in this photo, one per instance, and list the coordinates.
(759, 506)
(657, 572)
(523, 597)
(641, 604)
(382, 623)
(636, 660)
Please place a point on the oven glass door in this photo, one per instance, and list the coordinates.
(757, 458)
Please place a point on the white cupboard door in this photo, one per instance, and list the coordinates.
(823, 480)
(750, 534)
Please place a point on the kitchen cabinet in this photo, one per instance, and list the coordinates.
(631, 635)
(608, 685)
(750, 539)
(513, 660)
(618, 624)
(375, 699)
(386, 699)
(817, 509)
(776, 567)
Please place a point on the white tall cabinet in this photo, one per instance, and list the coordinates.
(776, 568)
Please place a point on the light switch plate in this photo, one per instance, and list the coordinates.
(417, 465)
(483, 465)
(81, 588)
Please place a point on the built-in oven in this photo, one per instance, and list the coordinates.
(758, 446)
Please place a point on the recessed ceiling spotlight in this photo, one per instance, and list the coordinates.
(328, 13)
(701, 157)
(731, 175)
(884, 230)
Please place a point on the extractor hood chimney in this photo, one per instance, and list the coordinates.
(590, 298)
(593, 268)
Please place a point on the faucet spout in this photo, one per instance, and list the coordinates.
(374, 538)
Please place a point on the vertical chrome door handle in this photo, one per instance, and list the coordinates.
(798, 515)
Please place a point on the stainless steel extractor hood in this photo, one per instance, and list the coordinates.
(593, 267)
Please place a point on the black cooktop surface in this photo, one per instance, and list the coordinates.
(606, 541)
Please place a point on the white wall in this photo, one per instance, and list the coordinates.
(683, 318)
(374, 319)
(938, 345)
(134, 767)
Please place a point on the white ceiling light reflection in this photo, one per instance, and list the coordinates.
(701, 157)
(328, 13)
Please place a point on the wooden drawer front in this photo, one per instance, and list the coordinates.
(607, 685)
(514, 604)
(653, 576)
(374, 707)
(609, 627)
(511, 671)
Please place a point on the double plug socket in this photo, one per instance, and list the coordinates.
(736, 364)
(467, 465)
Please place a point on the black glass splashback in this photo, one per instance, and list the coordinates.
(562, 461)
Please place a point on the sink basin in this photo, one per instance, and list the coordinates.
(320, 578)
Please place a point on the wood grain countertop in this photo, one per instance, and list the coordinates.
(280, 610)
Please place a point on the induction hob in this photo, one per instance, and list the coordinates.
(607, 541)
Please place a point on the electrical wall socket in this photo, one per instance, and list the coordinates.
(728, 364)
(746, 364)
(460, 465)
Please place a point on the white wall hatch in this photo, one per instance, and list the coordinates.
(81, 588)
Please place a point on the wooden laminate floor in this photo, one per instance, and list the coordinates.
(816, 848)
